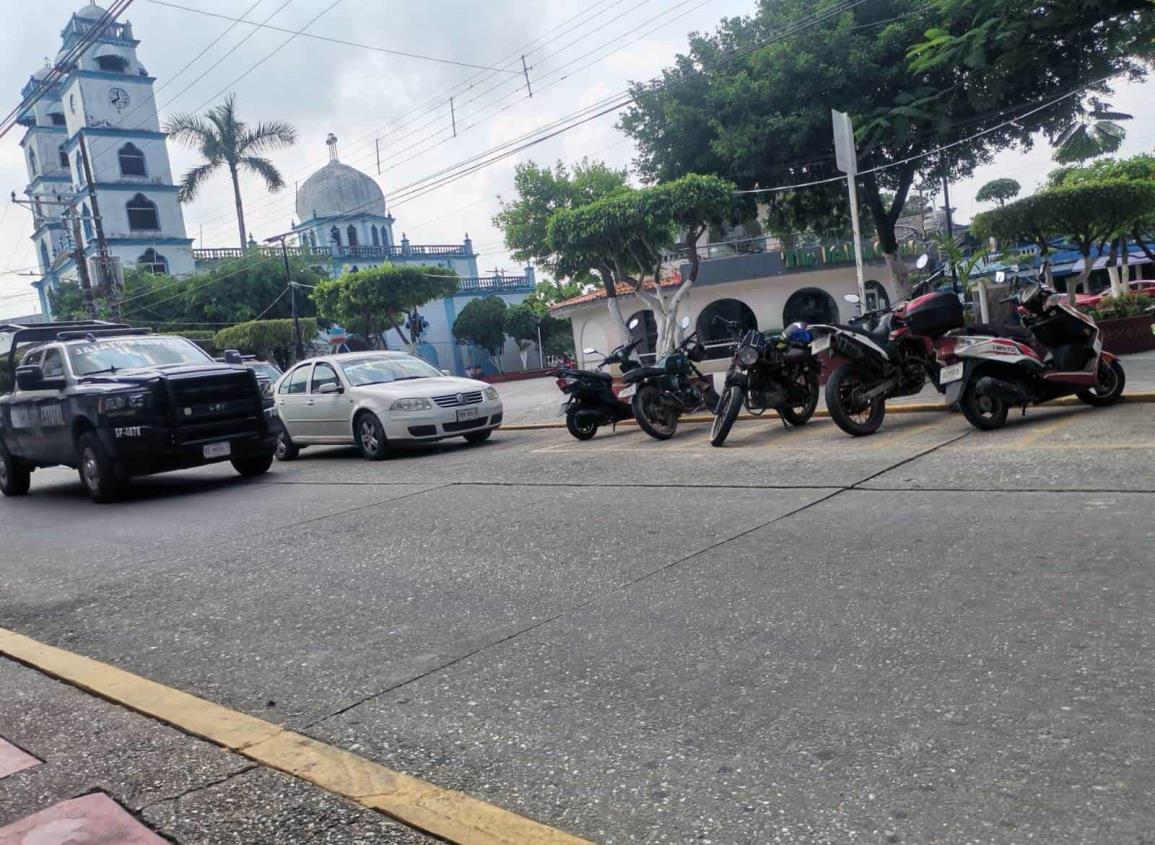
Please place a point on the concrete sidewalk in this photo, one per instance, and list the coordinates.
(100, 773)
(537, 400)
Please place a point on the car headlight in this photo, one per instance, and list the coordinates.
(748, 356)
(491, 394)
(411, 405)
(123, 403)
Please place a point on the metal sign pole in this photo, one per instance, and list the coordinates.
(846, 157)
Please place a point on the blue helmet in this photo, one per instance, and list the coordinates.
(799, 333)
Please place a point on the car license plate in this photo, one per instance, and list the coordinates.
(218, 450)
(627, 392)
(820, 344)
(467, 414)
(952, 373)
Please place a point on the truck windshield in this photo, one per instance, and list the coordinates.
(130, 353)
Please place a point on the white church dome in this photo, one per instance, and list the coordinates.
(338, 189)
(91, 12)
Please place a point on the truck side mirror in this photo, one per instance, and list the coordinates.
(233, 356)
(30, 377)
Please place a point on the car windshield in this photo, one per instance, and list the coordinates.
(108, 356)
(265, 370)
(383, 370)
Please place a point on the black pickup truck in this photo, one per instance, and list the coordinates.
(114, 402)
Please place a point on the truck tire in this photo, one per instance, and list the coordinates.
(254, 466)
(15, 478)
(98, 473)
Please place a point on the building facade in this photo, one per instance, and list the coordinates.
(94, 148)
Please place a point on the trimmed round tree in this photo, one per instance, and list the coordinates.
(1001, 191)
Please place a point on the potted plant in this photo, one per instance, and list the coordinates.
(1126, 323)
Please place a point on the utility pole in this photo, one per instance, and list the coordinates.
(453, 117)
(298, 343)
(949, 224)
(107, 280)
(33, 204)
(525, 70)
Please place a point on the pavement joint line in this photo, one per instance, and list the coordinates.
(199, 788)
(1143, 397)
(911, 459)
(451, 816)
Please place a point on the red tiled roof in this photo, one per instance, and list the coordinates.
(622, 288)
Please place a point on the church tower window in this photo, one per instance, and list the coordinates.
(142, 213)
(335, 236)
(63, 157)
(32, 161)
(86, 221)
(113, 64)
(376, 237)
(45, 261)
(153, 262)
(57, 118)
(351, 232)
(131, 161)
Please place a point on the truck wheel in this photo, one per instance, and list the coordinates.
(254, 466)
(286, 449)
(98, 473)
(15, 478)
(371, 437)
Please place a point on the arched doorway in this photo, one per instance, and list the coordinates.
(810, 305)
(714, 330)
(647, 331)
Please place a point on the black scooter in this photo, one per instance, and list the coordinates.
(590, 401)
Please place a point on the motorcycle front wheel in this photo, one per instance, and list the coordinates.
(582, 429)
(847, 409)
(984, 412)
(801, 414)
(1108, 389)
(728, 409)
(652, 414)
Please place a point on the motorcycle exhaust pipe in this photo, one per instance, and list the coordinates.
(1007, 391)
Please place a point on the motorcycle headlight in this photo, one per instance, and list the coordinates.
(748, 356)
(411, 405)
(124, 403)
(491, 394)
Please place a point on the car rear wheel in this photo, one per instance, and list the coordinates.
(286, 449)
(15, 478)
(98, 473)
(371, 437)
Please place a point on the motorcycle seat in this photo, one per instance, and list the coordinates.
(642, 373)
(794, 355)
(879, 337)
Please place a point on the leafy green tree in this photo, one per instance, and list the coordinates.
(266, 338)
(522, 323)
(542, 192)
(482, 324)
(225, 140)
(375, 299)
(999, 190)
(630, 233)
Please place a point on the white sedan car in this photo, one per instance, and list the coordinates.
(378, 399)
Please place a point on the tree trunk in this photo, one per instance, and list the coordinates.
(240, 207)
(884, 220)
(615, 308)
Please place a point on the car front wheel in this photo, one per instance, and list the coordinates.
(286, 449)
(371, 437)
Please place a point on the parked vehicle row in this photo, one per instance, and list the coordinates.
(984, 370)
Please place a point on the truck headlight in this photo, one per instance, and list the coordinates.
(411, 405)
(124, 403)
(491, 394)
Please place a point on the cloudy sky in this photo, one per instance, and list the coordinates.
(579, 51)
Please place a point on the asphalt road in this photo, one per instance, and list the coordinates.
(929, 635)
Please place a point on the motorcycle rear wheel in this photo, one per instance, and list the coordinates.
(801, 414)
(580, 430)
(654, 418)
(728, 409)
(984, 412)
(853, 417)
(1108, 389)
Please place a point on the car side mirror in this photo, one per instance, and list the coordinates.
(329, 388)
(30, 377)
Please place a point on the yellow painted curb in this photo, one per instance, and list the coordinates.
(1145, 397)
(452, 816)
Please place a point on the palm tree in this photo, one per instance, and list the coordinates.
(223, 139)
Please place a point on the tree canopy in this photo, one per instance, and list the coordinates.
(266, 338)
(913, 75)
(374, 299)
(999, 190)
(482, 323)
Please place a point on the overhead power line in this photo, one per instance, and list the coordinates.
(340, 41)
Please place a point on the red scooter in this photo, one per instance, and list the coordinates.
(987, 375)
